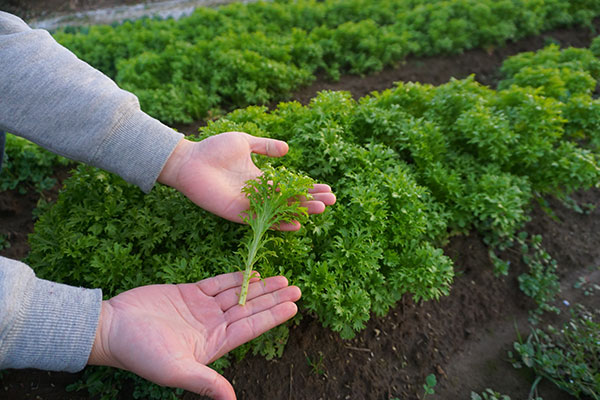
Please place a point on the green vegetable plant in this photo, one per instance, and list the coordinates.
(490, 394)
(569, 357)
(315, 364)
(28, 167)
(429, 385)
(587, 285)
(541, 282)
(4, 241)
(274, 199)
(104, 383)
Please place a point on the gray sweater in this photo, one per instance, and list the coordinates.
(49, 96)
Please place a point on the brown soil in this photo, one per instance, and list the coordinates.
(462, 338)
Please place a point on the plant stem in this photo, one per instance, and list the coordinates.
(252, 250)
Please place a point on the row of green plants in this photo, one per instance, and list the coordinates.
(248, 54)
(244, 54)
(568, 356)
(410, 166)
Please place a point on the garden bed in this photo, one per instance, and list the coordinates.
(462, 338)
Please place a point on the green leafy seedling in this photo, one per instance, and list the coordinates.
(316, 365)
(274, 199)
(4, 241)
(429, 385)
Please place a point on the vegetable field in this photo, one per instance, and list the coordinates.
(462, 140)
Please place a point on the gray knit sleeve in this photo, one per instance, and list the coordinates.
(54, 99)
(43, 324)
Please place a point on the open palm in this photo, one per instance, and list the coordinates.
(168, 333)
(212, 173)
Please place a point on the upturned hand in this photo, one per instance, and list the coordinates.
(169, 333)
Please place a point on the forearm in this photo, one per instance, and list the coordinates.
(43, 324)
(54, 99)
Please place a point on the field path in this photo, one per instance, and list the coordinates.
(118, 13)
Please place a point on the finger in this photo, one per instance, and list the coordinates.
(230, 298)
(246, 329)
(288, 226)
(313, 207)
(268, 147)
(262, 303)
(217, 284)
(326, 198)
(320, 188)
(198, 378)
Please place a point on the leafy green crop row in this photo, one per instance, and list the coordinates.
(244, 54)
(409, 165)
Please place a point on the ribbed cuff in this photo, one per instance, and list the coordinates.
(138, 149)
(54, 329)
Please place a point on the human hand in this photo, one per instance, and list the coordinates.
(168, 333)
(213, 171)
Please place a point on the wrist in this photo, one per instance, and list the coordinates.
(100, 354)
(169, 174)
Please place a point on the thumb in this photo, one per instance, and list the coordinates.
(200, 379)
(268, 147)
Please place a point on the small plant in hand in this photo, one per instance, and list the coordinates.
(274, 199)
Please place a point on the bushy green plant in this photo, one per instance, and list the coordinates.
(133, 239)
(595, 47)
(583, 114)
(107, 383)
(569, 75)
(482, 153)
(358, 257)
(27, 166)
(363, 242)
